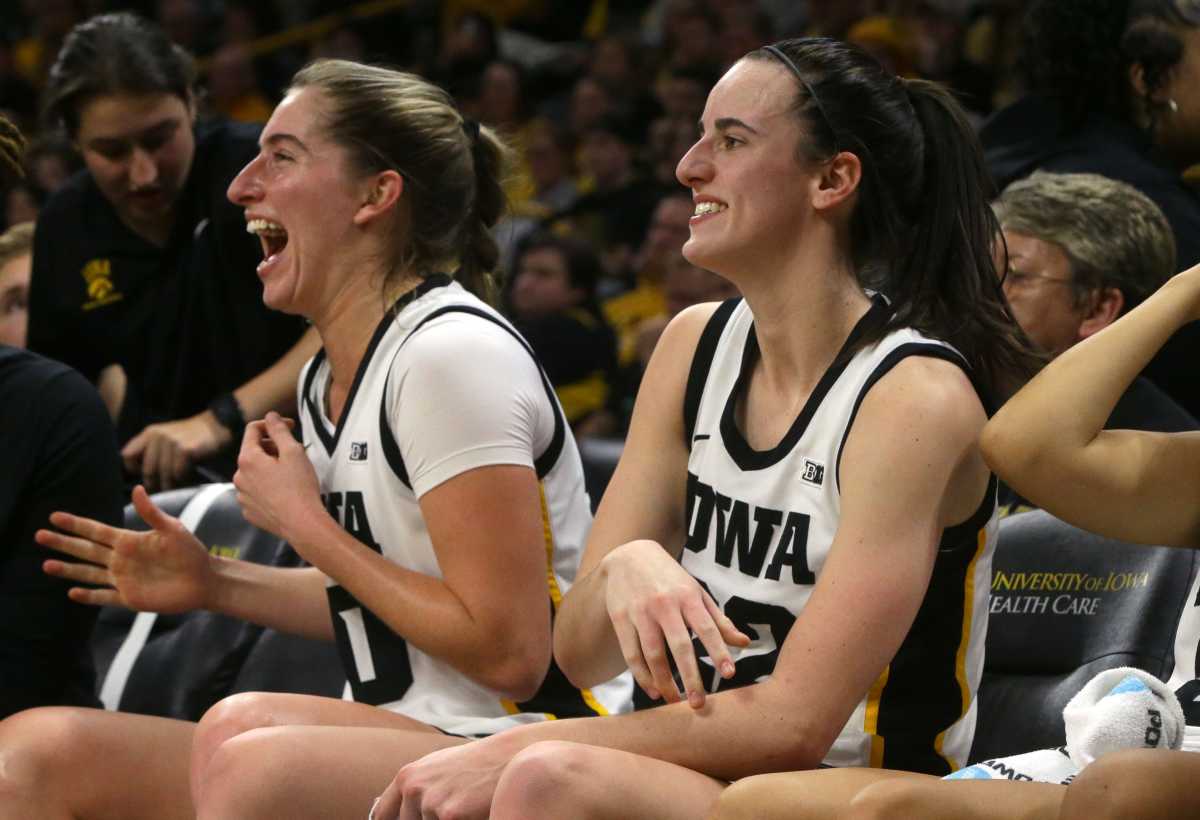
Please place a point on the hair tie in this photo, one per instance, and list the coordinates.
(470, 127)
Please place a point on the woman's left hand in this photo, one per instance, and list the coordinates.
(276, 485)
(458, 782)
(162, 454)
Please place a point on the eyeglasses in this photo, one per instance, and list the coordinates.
(1020, 279)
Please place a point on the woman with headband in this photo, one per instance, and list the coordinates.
(794, 552)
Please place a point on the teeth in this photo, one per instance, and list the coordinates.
(703, 208)
(265, 227)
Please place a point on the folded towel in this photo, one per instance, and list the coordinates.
(1042, 766)
(1122, 708)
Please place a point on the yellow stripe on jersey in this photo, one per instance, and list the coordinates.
(556, 598)
(871, 725)
(548, 539)
(513, 709)
(960, 661)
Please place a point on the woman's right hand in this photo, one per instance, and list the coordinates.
(655, 607)
(165, 569)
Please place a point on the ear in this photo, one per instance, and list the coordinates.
(1105, 306)
(837, 181)
(1137, 79)
(382, 193)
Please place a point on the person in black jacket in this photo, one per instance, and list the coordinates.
(141, 262)
(59, 451)
(1114, 89)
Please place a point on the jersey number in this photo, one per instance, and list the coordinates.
(375, 657)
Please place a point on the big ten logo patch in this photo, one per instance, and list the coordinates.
(813, 473)
(358, 451)
(97, 277)
(1058, 593)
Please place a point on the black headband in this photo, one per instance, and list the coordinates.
(778, 54)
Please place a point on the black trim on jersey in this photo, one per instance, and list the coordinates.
(543, 464)
(745, 456)
(929, 349)
(702, 360)
(922, 697)
(436, 280)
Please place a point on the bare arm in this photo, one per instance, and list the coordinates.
(488, 614)
(163, 453)
(167, 569)
(911, 467)
(1048, 441)
(642, 510)
(275, 387)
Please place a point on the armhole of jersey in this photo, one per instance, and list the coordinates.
(706, 347)
(935, 351)
(542, 464)
(391, 450)
(306, 397)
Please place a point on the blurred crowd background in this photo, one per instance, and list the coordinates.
(599, 98)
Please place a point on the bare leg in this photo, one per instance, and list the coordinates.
(1142, 783)
(560, 779)
(256, 710)
(58, 763)
(312, 772)
(934, 799)
(820, 794)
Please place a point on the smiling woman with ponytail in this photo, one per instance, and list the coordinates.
(793, 556)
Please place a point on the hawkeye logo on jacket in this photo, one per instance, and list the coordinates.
(97, 274)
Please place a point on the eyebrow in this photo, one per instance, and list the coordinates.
(166, 125)
(725, 123)
(276, 138)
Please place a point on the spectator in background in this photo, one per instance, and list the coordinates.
(1114, 90)
(141, 262)
(16, 260)
(548, 160)
(233, 89)
(50, 160)
(614, 211)
(590, 102)
(1083, 250)
(552, 300)
(684, 285)
(59, 451)
(665, 235)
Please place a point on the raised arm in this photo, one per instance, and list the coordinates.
(1049, 444)
(634, 547)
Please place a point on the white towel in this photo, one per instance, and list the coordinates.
(1122, 708)
(1043, 766)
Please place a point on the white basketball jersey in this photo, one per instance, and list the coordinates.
(761, 523)
(366, 487)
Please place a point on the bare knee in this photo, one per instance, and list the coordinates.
(238, 780)
(891, 799)
(38, 745)
(541, 778)
(227, 719)
(742, 800)
(1131, 783)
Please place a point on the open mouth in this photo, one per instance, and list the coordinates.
(272, 235)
